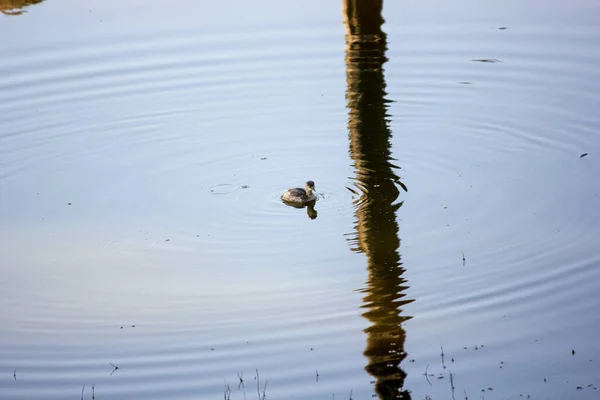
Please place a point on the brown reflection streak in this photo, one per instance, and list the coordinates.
(15, 7)
(376, 183)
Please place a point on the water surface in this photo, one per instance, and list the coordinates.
(143, 149)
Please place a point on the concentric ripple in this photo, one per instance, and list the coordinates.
(142, 227)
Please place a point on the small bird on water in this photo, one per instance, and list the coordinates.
(300, 196)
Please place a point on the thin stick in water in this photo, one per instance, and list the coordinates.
(444, 365)
(257, 384)
(115, 368)
(82, 389)
(227, 394)
(265, 389)
(427, 375)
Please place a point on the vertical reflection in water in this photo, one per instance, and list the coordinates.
(377, 184)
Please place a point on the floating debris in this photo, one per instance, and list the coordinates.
(465, 83)
(486, 60)
(115, 368)
(263, 158)
(503, 28)
(581, 156)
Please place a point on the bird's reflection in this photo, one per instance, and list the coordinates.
(16, 7)
(377, 188)
(310, 207)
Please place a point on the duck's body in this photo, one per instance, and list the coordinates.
(300, 196)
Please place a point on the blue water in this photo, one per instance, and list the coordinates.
(143, 150)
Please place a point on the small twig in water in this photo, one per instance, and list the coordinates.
(15, 374)
(257, 384)
(115, 368)
(241, 377)
(466, 397)
(427, 375)
(443, 365)
(93, 392)
(452, 384)
(464, 259)
(317, 372)
(350, 398)
(82, 389)
(227, 394)
(265, 389)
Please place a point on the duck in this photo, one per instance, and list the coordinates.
(300, 196)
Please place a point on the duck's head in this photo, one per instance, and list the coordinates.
(310, 186)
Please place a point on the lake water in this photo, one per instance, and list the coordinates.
(453, 251)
